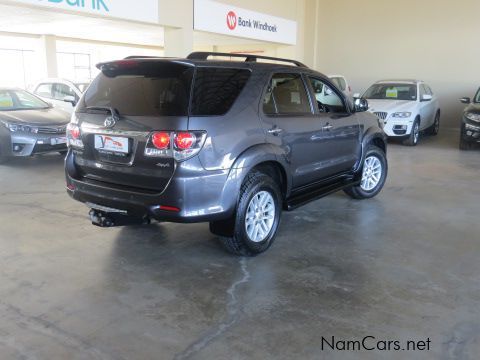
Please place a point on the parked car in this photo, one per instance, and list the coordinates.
(29, 126)
(61, 93)
(407, 107)
(470, 130)
(341, 83)
(230, 143)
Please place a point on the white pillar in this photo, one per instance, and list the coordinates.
(49, 55)
(178, 42)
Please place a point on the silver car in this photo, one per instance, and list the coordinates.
(29, 125)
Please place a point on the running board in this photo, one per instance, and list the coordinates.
(308, 196)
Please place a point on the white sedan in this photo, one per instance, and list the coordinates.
(407, 107)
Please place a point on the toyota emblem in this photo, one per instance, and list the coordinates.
(109, 122)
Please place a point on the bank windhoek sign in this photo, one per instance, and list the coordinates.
(224, 19)
(137, 10)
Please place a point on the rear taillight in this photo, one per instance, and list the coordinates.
(161, 140)
(181, 145)
(73, 136)
(184, 140)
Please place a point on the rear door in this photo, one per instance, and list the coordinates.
(340, 135)
(290, 123)
(119, 112)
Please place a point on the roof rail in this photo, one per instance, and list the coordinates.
(146, 57)
(204, 55)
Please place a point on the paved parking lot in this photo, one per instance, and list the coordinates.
(403, 266)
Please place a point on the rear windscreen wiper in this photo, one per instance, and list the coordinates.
(111, 110)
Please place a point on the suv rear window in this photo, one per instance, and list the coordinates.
(216, 89)
(142, 89)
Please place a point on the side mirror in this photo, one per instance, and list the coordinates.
(356, 95)
(70, 99)
(465, 100)
(361, 105)
(427, 97)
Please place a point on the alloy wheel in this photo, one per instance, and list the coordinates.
(372, 173)
(260, 216)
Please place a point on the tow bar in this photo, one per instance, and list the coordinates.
(106, 219)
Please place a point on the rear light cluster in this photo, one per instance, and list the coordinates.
(181, 145)
(73, 136)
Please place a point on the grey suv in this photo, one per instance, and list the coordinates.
(227, 142)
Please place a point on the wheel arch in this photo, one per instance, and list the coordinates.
(374, 135)
(267, 158)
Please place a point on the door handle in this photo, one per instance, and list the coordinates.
(327, 127)
(275, 131)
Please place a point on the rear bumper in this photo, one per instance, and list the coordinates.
(198, 194)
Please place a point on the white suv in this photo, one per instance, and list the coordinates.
(62, 94)
(341, 82)
(407, 107)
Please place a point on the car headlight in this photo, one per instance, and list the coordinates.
(20, 127)
(472, 116)
(402, 115)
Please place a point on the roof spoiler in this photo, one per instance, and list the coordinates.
(204, 55)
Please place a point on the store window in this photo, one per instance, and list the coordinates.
(74, 66)
(18, 67)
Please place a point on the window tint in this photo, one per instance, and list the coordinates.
(327, 99)
(216, 89)
(148, 88)
(44, 90)
(60, 91)
(286, 95)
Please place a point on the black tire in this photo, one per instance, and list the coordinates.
(464, 144)
(63, 152)
(357, 192)
(233, 232)
(435, 128)
(414, 136)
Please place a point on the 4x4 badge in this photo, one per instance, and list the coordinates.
(109, 122)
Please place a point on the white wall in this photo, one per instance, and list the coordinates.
(436, 41)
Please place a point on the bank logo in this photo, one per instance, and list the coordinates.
(231, 20)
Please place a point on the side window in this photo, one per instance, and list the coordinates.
(429, 90)
(216, 89)
(44, 90)
(286, 95)
(327, 99)
(60, 91)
